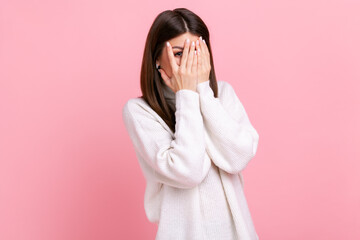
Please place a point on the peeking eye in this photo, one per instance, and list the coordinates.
(177, 54)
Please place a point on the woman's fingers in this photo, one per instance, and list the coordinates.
(199, 53)
(185, 53)
(204, 47)
(205, 53)
(171, 57)
(191, 57)
(195, 61)
(201, 42)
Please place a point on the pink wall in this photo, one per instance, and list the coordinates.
(67, 166)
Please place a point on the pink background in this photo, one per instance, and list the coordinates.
(67, 166)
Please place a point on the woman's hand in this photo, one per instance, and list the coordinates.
(204, 65)
(185, 75)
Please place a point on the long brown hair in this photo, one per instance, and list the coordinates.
(167, 25)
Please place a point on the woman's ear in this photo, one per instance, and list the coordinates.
(157, 65)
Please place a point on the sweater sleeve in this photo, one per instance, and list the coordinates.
(181, 161)
(231, 139)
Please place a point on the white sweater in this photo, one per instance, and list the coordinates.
(194, 183)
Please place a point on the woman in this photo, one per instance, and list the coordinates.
(191, 135)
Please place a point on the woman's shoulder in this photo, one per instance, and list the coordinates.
(138, 108)
(138, 111)
(135, 105)
(224, 85)
(225, 90)
(135, 101)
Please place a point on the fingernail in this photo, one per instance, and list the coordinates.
(187, 40)
(204, 40)
(168, 44)
(200, 37)
(197, 42)
(193, 44)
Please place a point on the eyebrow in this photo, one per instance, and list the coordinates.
(178, 47)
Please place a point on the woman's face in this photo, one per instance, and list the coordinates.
(177, 45)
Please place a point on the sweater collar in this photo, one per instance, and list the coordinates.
(168, 92)
(169, 95)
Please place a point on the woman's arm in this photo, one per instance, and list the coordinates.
(181, 162)
(232, 140)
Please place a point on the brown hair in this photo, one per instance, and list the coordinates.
(167, 25)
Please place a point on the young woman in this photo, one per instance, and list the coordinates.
(191, 135)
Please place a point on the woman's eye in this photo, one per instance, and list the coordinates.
(178, 54)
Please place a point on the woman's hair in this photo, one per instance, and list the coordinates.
(167, 25)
